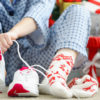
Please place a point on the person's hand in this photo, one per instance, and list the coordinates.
(5, 42)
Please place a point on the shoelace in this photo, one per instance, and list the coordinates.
(35, 65)
(32, 66)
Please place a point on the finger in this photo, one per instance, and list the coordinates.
(4, 43)
(8, 39)
(1, 47)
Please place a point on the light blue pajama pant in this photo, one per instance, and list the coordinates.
(71, 30)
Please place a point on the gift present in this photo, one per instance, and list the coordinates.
(66, 3)
(93, 66)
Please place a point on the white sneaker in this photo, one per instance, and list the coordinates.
(2, 73)
(25, 83)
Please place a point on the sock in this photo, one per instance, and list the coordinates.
(59, 70)
(83, 87)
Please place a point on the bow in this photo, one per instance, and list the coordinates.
(91, 63)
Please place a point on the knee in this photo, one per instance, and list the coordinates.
(78, 10)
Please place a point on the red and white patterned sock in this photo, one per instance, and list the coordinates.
(59, 70)
(83, 87)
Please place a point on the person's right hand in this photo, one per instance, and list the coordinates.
(5, 42)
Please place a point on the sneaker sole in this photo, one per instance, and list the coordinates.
(19, 90)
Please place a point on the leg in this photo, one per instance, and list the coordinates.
(69, 32)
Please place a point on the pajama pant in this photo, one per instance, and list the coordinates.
(71, 31)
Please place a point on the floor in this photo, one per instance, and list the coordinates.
(4, 96)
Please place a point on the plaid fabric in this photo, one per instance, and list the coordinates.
(71, 30)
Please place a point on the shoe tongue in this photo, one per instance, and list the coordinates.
(24, 68)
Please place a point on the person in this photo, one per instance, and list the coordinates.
(62, 43)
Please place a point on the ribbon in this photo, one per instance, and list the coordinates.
(93, 63)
